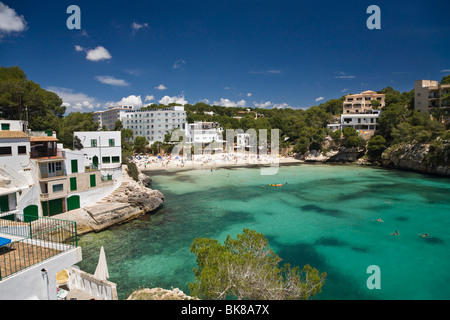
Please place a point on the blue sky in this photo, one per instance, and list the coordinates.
(234, 53)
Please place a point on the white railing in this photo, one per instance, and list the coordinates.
(87, 283)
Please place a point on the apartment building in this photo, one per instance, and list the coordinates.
(362, 103)
(203, 132)
(359, 113)
(155, 123)
(429, 98)
(108, 118)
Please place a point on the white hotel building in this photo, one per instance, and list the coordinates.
(154, 124)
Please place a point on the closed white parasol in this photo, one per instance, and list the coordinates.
(102, 268)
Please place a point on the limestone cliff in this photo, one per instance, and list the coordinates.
(421, 157)
(431, 158)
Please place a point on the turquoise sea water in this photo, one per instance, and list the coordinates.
(323, 215)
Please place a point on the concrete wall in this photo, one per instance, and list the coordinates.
(30, 284)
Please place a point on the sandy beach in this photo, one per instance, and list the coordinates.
(207, 161)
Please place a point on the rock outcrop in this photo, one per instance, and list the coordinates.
(129, 201)
(139, 196)
(159, 294)
(419, 157)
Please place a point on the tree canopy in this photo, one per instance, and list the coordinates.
(246, 268)
(21, 98)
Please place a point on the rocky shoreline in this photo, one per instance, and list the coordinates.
(129, 201)
(419, 157)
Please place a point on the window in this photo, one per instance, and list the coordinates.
(5, 151)
(106, 159)
(93, 142)
(115, 159)
(22, 149)
(5, 126)
(58, 187)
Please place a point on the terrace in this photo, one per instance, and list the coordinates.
(33, 240)
(30, 243)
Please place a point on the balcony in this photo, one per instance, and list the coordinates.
(45, 174)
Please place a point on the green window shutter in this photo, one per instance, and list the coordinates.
(74, 165)
(73, 184)
(92, 177)
(5, 126)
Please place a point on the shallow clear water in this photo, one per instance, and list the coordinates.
(323, 215)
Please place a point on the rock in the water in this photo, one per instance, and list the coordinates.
(159, 294)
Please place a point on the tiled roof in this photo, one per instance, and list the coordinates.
(35, 139)
(6, 134)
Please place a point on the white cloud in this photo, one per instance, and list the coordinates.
(149, 98)
(228, 103)
(75, 101)
(344, 90)
(132, 100)
(227, 88)
(112, 81)
(161, 87)
(10, 21)
(136, 26)
(269, 104)
(262, 104)
(445, 70)
(97, 54)
(281, 105)
(271, 71)
(168, 100)
(179, 64)
(320, 98)
(344, 77)
(249, 94)
(79, 48)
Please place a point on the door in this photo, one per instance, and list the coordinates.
(52, 207)
(31, 213)
(73, 203)
(95, 162)
(74, 165)
(4, 203)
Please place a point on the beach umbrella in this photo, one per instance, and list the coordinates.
(102, 269)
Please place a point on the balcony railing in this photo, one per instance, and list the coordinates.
(58, 173)
(42, 238)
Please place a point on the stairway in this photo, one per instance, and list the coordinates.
(120, 189)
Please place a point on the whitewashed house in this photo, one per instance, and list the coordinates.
(103, 151)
